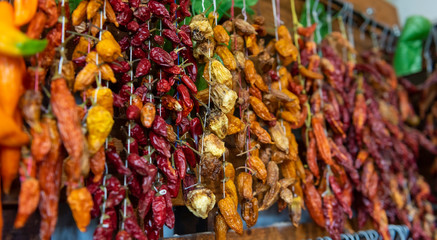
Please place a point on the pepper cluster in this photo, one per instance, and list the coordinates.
(138, 66)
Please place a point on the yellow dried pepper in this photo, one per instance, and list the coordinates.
(227, 57)
(104, 98)
(99, 124)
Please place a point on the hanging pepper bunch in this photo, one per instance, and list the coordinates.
(139, 66)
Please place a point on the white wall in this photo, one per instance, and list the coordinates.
(427, 8)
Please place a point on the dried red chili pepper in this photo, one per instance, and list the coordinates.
(158, 40)
(190, 155)
(159, 212)
(165, 166)
(132, 144)
(133, 26)
(184, 95)
(120, 66)
(158, 9)
(160, 144)
(189, 83)
(114, 159)
(134, 186)
(170, 218)
(184, 126)
(159, 126)
(142, 13)
(330, 211)
(140, 36)
(161, 57)
(171, 103)
(171, 35)
(196, 130)
(338, 194)
(133, 113)
(133, 229)
(313, 200)
(143, 67)
(184, 7)
(116, 192)
(185, 38)
(138, 133)
(163, 86)
(150, 177)
(122, 235)
(180, 161)
(138, 53)
(145, 203)
(125, 15)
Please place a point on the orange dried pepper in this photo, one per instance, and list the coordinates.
(262, 135)
(260, 109)
(27, 201)
(148, 114)
(81, 203)
(321, 138)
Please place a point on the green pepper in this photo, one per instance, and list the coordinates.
(15, 43)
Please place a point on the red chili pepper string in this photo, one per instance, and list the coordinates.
(232, 9)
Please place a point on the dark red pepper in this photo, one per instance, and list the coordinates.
(149, 228)
(124, 43)
(180, 162)
(161, 57)
(189, 83)
(158, 9)
(163, 86)
(158, 209)
(145, 203)
(170, 219)
(175, 70)
(134, 3)
(138, 53)
(184, 126)
(196, 129)
(338, 192)
(171, 35)
(190, 156)
(143, 67)
(168, 24)
(133, 26)
(133, 145)
(173, 187)
(138, 163)
(123, 235)
(159, 126)
(138, 133)
(140, 36)
(165, 166)
(125, 15)
(117, 100)
(105, 229)
(160, 144)
(125, 91)
(186, 29)
(117, 5)
(184, 95)
(131, 226)
(185, 38)
(114, 159)
(149, 178)
(142, 13)
(120, 66)
(158, 40)
(134, 186)
(116, 192)
(185, 7)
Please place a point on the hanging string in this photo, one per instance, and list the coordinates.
(243, 11)
(61, 59)
(328, 16)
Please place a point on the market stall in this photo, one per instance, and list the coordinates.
(138, 117)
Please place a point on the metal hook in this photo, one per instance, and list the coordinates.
(369, 12)
(394, 33)
(383, 38)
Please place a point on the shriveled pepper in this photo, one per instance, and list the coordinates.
(81, 203)
(148, 114)
(28, 201)
(321, 138)
(99, 123)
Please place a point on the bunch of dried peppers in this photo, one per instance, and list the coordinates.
(137, 66)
